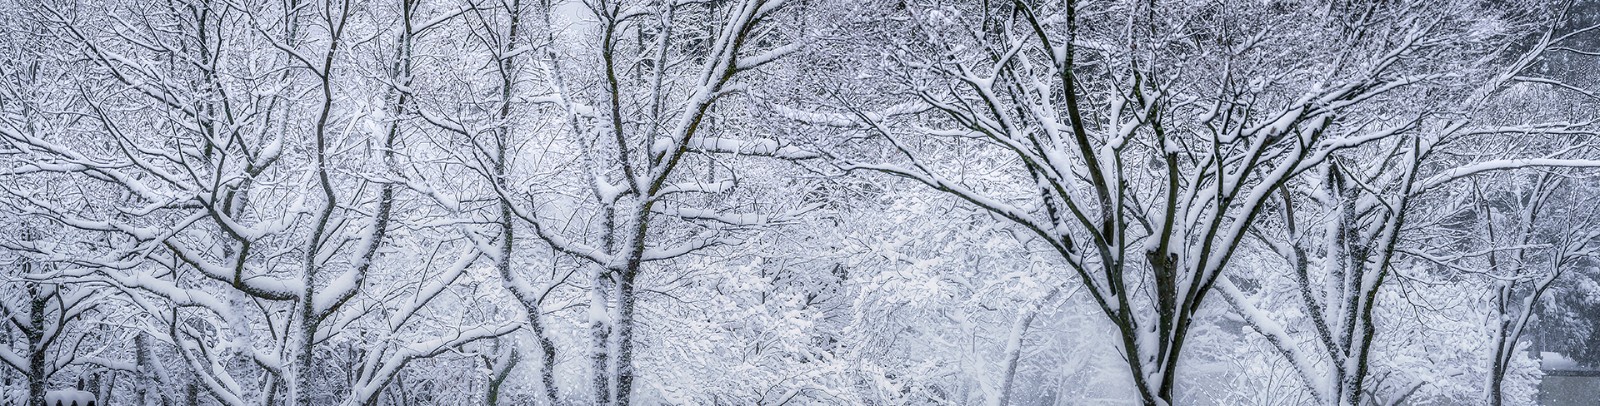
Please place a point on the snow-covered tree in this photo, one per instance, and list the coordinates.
(1139, 141)
(550, 202)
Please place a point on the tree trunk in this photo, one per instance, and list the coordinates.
(1496, 382)
(547, 358)
(500, 370)
(306, 343)
(1497, 364)
(1013, 356)
(600, 337)
(624, 331)
(37, 374)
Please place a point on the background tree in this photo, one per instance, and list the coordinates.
(1140, 149)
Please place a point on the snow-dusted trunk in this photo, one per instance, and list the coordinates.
(1011, 357)
(600, 342)
(153, 377)
(547, 358)
(1503, 328)
(304, 352)
(1497, 364)
(1346, 272)
(499, 369)
(531, 302)
(626, 300)
(1512, 316)
(38, 361)
(604, 283)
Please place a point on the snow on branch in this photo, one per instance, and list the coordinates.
(1454, 174)
(765, 148)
